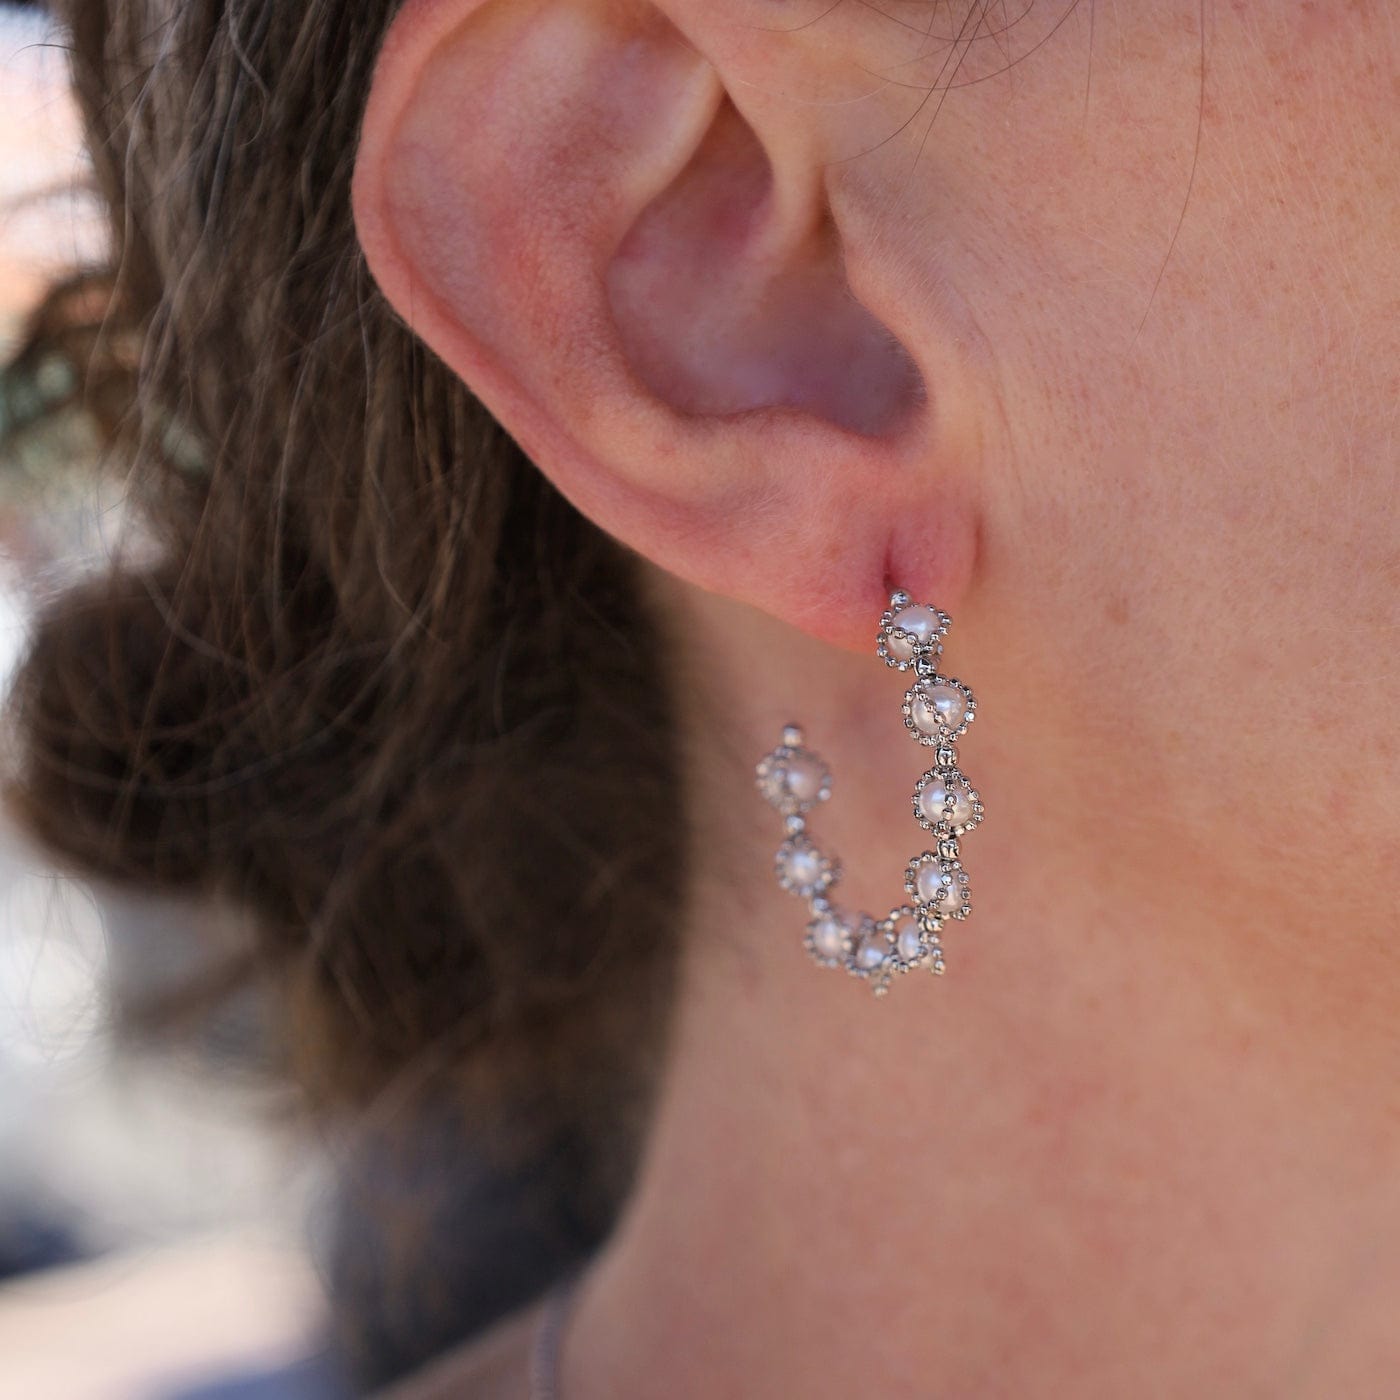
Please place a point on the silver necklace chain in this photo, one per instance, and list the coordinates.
(544, 1352)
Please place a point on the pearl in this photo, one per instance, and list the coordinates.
(872, 950)
(908, 939)
(921, 621)
(938, 708)
(944, 897)
(933, 799)
(794, 780)
(803, 776)
(803, 866)
(829, 936)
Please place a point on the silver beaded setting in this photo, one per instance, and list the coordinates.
(909, 630)
(945, 803)
(936, 710)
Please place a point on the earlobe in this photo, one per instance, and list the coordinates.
(565, 202)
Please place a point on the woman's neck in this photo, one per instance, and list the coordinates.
(1137, 1129)
(1027, 1178)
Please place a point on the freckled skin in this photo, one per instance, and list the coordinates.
(1178, 351)
(1193, 398)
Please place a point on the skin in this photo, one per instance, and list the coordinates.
(1144, 1136)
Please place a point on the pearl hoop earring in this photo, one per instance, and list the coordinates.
(937, 711)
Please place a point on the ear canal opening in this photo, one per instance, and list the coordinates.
(718, 313)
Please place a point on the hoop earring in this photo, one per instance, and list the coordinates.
(937, 711)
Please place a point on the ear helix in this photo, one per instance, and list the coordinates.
(937, 711)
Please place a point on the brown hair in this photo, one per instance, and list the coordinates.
(376, 682)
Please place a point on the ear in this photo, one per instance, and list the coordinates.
(646, 284)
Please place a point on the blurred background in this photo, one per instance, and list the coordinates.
(171, 1227)
(157, 1206)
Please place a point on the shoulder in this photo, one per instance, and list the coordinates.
(493, 1366)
